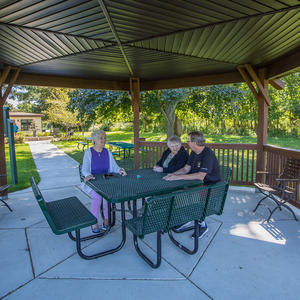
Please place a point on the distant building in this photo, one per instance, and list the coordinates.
(27, 121)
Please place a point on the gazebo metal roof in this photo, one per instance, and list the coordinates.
(164, 43)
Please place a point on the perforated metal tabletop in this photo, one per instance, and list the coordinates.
(137, 184)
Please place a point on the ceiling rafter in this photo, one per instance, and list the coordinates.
(112, 27)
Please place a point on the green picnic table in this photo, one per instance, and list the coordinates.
(122, 145)
(136, 185)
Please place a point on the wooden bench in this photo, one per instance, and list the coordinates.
(285, 189)
(3, 192)
(67, 215)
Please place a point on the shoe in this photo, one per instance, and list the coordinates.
(183, 227)
(95, 229)
(104, 227)
(202, 231)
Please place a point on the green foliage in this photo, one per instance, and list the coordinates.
(25, 167)
(97, 106)
(222, 109)
(20, 138)
(57, 109)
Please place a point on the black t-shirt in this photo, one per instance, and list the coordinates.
(205, 162)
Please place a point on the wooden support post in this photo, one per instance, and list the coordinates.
(135, 97)
(14, 76)
(262, 126)
(263, 100)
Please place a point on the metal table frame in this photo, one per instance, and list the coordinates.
(136, 185)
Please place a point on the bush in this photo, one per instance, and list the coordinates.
(20, 138)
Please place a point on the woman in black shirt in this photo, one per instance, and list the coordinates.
(174, 158)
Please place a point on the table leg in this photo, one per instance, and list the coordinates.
(107, 252)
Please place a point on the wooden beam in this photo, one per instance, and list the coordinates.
(259, 84)
(203, 80)
(247, 80)
(70, 82)
(284, 65)
(4, 75)
(12, 80)
(277, 84)
(135, 96)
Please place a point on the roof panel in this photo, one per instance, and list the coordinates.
(161, 39)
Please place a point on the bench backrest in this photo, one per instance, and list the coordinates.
(225, 173)
(218, 193)
(291, 169)
(156, 214)
(188, 205)
(126, 163)
(42, 203)
(216, 198)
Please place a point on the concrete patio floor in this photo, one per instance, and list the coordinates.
(241, 256)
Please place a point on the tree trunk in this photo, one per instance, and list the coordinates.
(177, 127)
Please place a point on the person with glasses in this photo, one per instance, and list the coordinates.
(174, 158)
(202, 165)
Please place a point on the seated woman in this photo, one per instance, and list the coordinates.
(174, 158)
(98, 160)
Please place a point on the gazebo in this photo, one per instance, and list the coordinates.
(145, 45)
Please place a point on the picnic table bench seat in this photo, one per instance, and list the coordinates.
(67, 215)
(155, 219)
(162, 213)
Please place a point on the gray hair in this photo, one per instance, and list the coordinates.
(97, 133)
(174, 139)
(197, 137)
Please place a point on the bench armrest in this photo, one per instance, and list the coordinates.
(287, 179)
(266, 172)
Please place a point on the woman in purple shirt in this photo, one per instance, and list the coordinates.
(98, 160)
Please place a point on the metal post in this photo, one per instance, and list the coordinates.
(12, 153)
(5, 118)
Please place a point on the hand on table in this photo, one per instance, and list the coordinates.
(87, 178)
(171, 177)
(123, 172)
(157, 169)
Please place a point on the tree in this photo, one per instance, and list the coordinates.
(100, 106)
(29, 99)
(58, 112)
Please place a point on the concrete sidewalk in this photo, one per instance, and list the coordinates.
(241, 257)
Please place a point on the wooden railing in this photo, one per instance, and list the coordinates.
(240, 157)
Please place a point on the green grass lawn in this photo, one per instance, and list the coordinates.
(286, 142)
(25, 167)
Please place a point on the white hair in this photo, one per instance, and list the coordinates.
(97, 133)
(173, 140)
